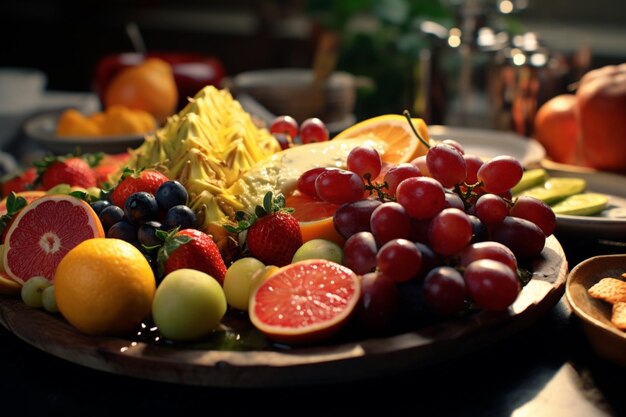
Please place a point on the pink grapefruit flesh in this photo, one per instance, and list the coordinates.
(43, 232)
(305, 302)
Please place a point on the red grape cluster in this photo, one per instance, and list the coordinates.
(286, 131)
(446, 220)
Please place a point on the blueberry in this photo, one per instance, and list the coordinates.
(179, 216)
(147, 233)
(141, 207)
(171, 193)
(100, 205)
(123, 230)
(110, 215)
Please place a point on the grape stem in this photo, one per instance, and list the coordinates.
(378, 188)
(407, 114)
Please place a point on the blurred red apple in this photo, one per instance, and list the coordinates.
(192, 71)
(556, 128)
(601, 99)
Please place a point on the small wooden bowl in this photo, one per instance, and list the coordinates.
(607, 340)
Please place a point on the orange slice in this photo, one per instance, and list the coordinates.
(44, 231)
(395, 131)
(315, 218)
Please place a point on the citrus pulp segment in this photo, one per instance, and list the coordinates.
(393, 129)
(315, 217)
(305, 301)
(44, 231)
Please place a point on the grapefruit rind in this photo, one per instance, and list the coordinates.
(16, 251)
(301, 284)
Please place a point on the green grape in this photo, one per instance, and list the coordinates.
(319, 249)
(238, 281)
(32, 291)
(48, 300)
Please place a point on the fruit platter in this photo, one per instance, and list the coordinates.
(222, 252)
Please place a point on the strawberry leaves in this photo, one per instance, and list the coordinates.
(271, 205)
(14, 204)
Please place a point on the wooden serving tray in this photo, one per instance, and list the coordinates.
(298, 366)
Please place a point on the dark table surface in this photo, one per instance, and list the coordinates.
(547, 369)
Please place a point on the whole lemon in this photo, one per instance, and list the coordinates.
(104, 286)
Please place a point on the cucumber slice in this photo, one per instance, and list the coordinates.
(556, 189)
(530, 178)
(585, 204)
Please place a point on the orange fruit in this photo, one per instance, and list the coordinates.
(315, 217)
(104, 287)
(44, 231)
(120, 120)
(395, 131)
(149, 86)
(556, 128)
(304, 302)
(74, 123)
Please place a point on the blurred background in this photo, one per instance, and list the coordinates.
(448, 61)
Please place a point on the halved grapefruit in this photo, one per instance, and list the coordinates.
(44, 231)
(305, 302)
(395, 131)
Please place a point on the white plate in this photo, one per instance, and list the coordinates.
(491, 143)
(42, 128)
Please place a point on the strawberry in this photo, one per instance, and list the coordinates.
(71, 170)
(132, 182)
(20, 182)
(273, 234)
(109, 165)
(191, 248)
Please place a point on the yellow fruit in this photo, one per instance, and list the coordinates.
(74, 123)
(120, 120)
(104, 287)
(394, 129)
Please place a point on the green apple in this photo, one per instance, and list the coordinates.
(238, 281)
(188, 305)
(319, 249)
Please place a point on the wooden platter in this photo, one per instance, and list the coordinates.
(340, 362)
